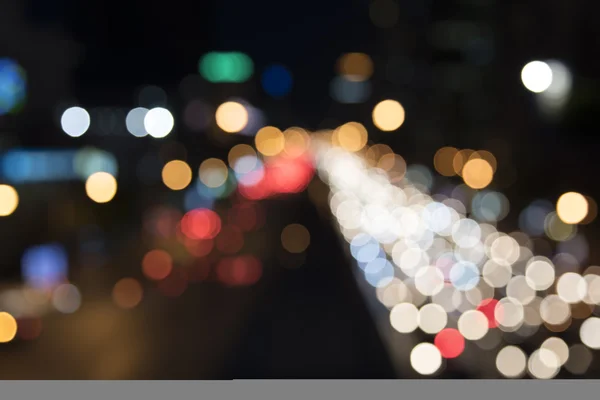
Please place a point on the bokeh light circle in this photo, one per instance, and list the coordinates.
(536, 76)
(75, 121)
(159, 122)
(511, 362)
(572, 208)
(277, 80)
(450, 343)
(477, 173)
(9, 200)
(388, 115)
(134, 122)
(213, 172)
(127, 293)
(269, 141)
(231, 117)
(473, 325)
(101, 187)
(404, 317)
(176, 175)
(425, 358)
(543, 364)
(432, 318)
(157, 264)
(589, 333)
(295, 238)
(464, 275)
(8, 327)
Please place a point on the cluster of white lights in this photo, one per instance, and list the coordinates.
(157, 122)
(436, 263)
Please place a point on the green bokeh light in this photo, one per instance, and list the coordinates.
(232, 67)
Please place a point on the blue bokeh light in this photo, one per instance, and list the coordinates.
(44, 266)
(193, 199)
(218, 192)
(464, 275)
(277, 80)
(12, 86)
(349, 92)
(20, 166)
(379, 272)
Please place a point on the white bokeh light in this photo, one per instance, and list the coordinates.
(473, 325)
(135, 122)
(511, 362)
(75, 121)
(543, 364)
(536, 76)
(404, 317)
(448, 267)
(432, 318)
(589, 333)
(159, 122)
(425, 358)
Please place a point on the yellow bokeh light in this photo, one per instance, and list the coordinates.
(442, 161)
(351, 136)
(269, 141)
(460, 159)
(295, 238)
(177, 175)
(477, 173)
(388, 115)
(213, 172)
(296, 141)
(355, 66)
(8, 327)
(101, 187)
(9, 200)
(592, 211)
(376, 152)
(238, 151)
(487, 156)
(231, 117)
(572, 208)
(558, 230)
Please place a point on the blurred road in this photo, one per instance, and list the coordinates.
(304, 322)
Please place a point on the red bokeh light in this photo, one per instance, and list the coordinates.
(289, 175)
(157, 264)
(230, 240)
(201, 223)
(258, 191)
(173, 285)
(449, 342)
(281, 175)
(198, 247)
(488, 308)
(246, 216)
(29, 328)
(239, 271)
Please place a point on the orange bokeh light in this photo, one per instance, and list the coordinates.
(157, 264)
(127, 293)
